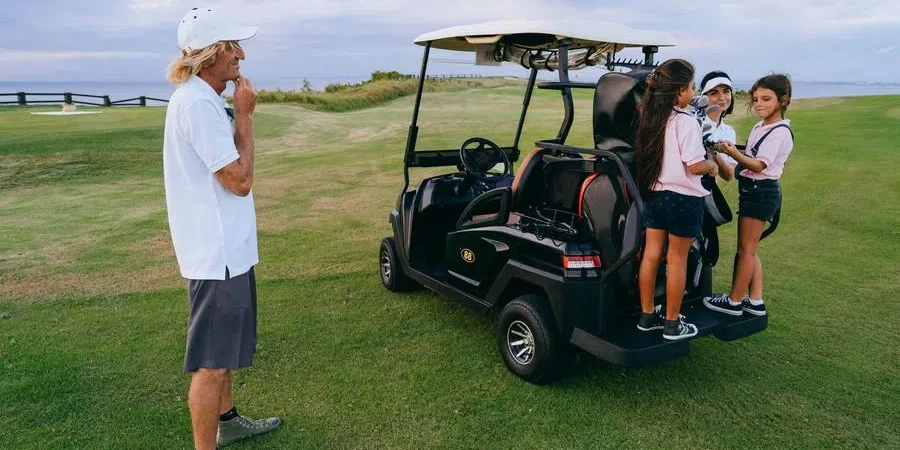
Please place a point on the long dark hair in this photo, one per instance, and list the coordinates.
(778, 83)
(663, 86)
(719, 74)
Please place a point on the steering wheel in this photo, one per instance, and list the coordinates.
(478, 159)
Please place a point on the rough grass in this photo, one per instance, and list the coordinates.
(93, 313)
(375, 93)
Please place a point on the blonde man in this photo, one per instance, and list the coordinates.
(208, 170)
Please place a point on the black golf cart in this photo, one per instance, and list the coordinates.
(554, 248)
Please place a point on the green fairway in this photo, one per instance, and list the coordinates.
(93, 312)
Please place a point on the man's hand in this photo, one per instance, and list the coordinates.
(237, 177)
(244, 96)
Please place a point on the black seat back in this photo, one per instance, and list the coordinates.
(528, 184)
(604, 207)
(632, 240)
(615, 221)
(563, 188)
(616, 101)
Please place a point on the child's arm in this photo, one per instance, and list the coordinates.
(754, 164)
(704, 167)
(690, 146)
(726, 170)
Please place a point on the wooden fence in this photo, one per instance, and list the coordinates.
(447, 77)
(22, 99)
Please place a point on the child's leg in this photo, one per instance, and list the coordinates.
(676, 272)
(756, 281)
(749, 231)
(649, 265)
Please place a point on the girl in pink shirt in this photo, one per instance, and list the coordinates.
(768, 147)
(670, 161)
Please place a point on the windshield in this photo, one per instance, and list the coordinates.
(455, 109)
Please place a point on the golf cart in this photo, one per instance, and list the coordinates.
(555, 247)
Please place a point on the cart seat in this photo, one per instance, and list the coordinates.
(529, 178)
(616, 100)
(604, 200)
(494, 207)
(532, 187)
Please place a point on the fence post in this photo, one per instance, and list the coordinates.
(143, 101)
(21, 96)
(67, 98)
(106, 101)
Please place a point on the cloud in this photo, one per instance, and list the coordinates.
(816, 17)
(7, 55)
(691, 42)
(145, 5)
(326, 37)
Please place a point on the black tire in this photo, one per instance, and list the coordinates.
(390, 269)
(528, 318)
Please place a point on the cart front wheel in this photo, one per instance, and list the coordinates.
(392, 275)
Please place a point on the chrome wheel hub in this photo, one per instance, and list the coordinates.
(385, 267)
(520, 342)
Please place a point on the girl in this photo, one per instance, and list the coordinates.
(768, 147)
(716, 85)
(670, 161)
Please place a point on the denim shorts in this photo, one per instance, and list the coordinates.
(758, 199)
(679, 214)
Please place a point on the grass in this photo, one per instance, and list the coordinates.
(93, 312)
(374, 93)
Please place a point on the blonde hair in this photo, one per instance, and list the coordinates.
(191, 63)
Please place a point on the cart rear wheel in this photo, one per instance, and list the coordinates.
(528, 341)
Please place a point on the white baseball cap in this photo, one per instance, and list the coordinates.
(202, 27)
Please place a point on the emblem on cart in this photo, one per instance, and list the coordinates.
(467, 255)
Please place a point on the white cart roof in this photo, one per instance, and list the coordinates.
(540, 33)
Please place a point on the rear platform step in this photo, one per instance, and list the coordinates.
(632, 348)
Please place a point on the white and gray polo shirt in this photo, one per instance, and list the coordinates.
(212, 228)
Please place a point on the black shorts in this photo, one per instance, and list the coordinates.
(679, 214)
(758, 199)
(222, 323)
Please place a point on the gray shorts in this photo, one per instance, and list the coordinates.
(222, 323)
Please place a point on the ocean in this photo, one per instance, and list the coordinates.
(120, 90)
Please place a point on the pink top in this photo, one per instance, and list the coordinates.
(774, 151)
(683, 147)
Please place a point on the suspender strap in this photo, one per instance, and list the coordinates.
(755, 148)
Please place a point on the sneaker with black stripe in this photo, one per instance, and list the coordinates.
(242, 427)
(676, 330)
(652, 321)
(721, 303)
(757, 309)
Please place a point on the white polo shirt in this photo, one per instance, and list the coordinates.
(720, 131)
(211, 227)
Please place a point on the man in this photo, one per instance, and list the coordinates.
(208, 169)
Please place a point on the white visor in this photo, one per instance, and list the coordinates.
(713, 82)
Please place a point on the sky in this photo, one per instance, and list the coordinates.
(134, 40)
